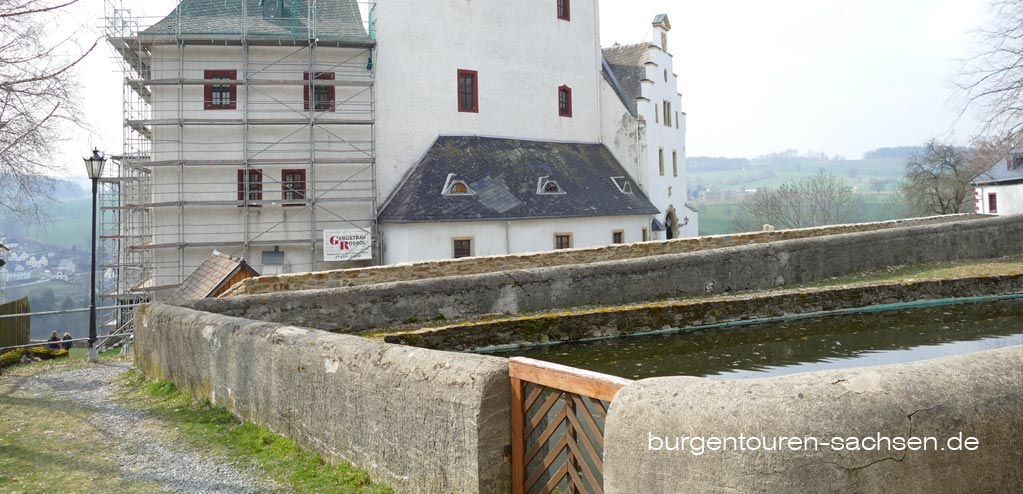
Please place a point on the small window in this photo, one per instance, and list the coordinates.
(293, 186)
(664, 42)
(660, 160)
(468, 91)
(665, 75)
(617, 237)
(1015, 161)
(564, 10)
(462, 247)
(646, 235)
(992, 203)
(323, 94)
(657, 114)
(562, 240)
(546, 186)
(623, 184)
(456, 187)
(220, 96)
(674, 163)
(253, 189)
(667, 114)
(565, 101)
(676, 120)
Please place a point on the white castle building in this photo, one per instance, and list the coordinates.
(306, 136)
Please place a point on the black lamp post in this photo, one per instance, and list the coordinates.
(94, 166)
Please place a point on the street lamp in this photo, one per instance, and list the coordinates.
(94, 167)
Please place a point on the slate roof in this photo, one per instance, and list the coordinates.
(502, 175)
(612, 80)
(209, 277)
(628, 64)
(1008, 170)
(335, 20)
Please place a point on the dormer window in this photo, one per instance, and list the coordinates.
(456, 187)
(1015, 161)
(546, 186)
(623, 185)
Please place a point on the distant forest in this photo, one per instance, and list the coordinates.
(792, 156)
(903, 152)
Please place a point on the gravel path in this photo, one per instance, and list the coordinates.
(145, 451)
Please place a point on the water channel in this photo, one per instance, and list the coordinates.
(800, 345)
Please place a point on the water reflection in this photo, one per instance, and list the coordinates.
(800, 346)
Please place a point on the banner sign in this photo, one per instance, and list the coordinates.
(347, 245)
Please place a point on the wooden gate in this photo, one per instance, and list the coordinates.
(558, 415)
(15, 331)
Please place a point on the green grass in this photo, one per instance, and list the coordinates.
(716, 217)
(934, 271)
(49, 447)
(214, 428)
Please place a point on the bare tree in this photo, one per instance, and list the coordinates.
(37, 99)
(817, 200)
(992, 80)
(937, 180)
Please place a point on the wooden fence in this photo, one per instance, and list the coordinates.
(15, 331)
(558, 415)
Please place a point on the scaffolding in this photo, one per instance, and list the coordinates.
(248, 127)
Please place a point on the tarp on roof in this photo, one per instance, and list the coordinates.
(279, 19)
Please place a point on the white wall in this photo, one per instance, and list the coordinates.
(637, 142)
(623, 134)
(522, 52)
(1009, 199)
(667, 189)
(425, 241)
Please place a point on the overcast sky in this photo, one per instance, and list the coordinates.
(839, 76)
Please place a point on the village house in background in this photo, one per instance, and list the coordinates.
(287, 133)
(999, 190)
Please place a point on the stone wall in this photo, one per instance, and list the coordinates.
(725, 270)
(419, 420)
(478, 265)
(978, 395)
(632, 319)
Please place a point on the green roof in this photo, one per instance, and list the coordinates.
(284, 20)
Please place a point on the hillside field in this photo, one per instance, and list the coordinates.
(864, 175)
(716, 215)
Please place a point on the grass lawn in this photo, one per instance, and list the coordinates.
(716, 217)
(216, 430)
(50, 447)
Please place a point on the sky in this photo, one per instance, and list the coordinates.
(835, 76)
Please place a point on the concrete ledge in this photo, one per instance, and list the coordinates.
(979, 395)
(726, 270)
(479, 265)
(631, 319)
(419, 420)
